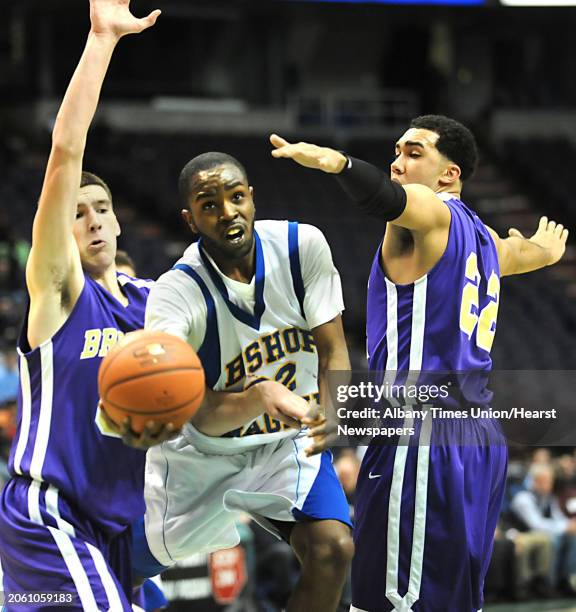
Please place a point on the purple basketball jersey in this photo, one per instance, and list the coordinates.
(446, 320)
(58, 440)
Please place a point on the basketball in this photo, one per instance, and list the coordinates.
(151, 376)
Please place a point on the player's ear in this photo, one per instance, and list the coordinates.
(251, 189)
(451, 174)
(189, 220)
(118, 228)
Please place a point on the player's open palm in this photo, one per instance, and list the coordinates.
(113, 18)
(309, 155)
(550, 235)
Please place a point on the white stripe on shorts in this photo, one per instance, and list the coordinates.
(34, 502)
(114, 600)
(394, 507)
(52, 509)
(77, 572)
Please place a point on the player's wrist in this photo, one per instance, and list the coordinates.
(104, 37)
(341, 162)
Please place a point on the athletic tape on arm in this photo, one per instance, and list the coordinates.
(372, 190)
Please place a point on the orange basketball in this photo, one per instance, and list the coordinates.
(151, 376)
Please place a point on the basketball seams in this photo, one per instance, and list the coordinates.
(169, 369)
(157, 412)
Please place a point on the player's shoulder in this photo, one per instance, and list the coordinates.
(281, 228)
(183, 276)
(132, 281)
(134, 284)
(271, 228)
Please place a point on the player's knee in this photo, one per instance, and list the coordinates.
(335, 549)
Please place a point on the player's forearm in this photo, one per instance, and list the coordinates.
(81, 98)
(372, 190)
(222, 412)
(335, 361)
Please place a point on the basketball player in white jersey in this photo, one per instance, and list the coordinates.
(259, 302)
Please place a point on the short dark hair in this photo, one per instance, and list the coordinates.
(91, 179)
(456, 142)
(123, 259)
(205, 161)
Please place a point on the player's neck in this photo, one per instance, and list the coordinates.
(109, 281)
(241, 269)
(455, 191)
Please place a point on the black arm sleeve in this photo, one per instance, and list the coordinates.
(372, 190)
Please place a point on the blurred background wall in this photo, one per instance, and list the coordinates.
(224, 74)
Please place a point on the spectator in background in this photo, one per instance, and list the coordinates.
(8, 376)
(566, 484)
(125, 263)
(347, 467)
(542, 456)
(537, 509)
(7, 431)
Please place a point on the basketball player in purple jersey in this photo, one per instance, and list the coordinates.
(75, 486)
(426, 513)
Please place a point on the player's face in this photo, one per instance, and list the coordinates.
(95, 229)
(221, 210)
(418, 161)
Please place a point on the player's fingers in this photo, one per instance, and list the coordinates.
(286, 151)
(148, 22)
(283, 418)
(514, 233)
(316, 447)
(543, 223)
(317, 431)
(167, 432)
(109, 422)
(314, 413)
(278, 141)
(558, 230)
(129, 437)
(564, 236)
(551, 226)
(313, 421)
(153, 428)
(126, 427)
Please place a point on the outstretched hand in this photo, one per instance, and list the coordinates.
(153, 433)
(113, 18)
(309, 155)
(549, 235)
(321, 430)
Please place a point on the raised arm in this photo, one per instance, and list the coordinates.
(518, 255)
(414, 207)
(54, 272)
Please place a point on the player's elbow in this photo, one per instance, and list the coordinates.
(66, 144)
(63, 150)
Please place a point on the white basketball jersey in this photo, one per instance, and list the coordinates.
(262, 330)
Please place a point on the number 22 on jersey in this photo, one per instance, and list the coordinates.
(470, 314)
